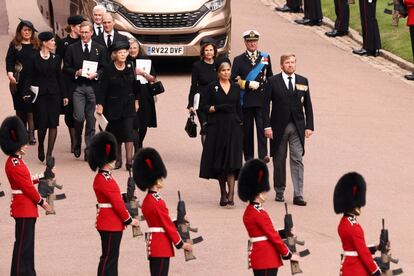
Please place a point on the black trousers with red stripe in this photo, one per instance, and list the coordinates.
(108, 263)
(370, 31)
(159, 266)
(342, 15)
(265, 272)
(23, 250)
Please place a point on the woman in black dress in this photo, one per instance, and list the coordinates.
(44, 71)
(203, 73)
(21, 48)
(146, 115)
(118, 100)
(222, 152)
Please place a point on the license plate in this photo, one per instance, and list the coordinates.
(165, 50)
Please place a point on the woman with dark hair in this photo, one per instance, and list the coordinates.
(222, 152)
(21, 48)
(146, 114)
(44, 71)
(203, 73)
(118, 100)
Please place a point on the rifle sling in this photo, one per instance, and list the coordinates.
(304, 253)
(60, 196)
(197, 240)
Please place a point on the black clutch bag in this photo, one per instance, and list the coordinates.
(18, 67)
(191, 126)
(156, 88)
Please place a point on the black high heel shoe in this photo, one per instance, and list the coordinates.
(128, 166)
(118, 164)
(41, 154)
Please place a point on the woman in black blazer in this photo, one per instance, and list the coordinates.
(44, 72)
(118, 100)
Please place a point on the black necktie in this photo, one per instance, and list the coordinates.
(290, 84)
(99, 30)
(86, 51)
(108, 41)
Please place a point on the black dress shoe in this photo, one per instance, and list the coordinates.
(409, 77)
(128, 166)
(374, 53)
(77, 151)
(41, 154)
(303, 21)
(285, 8)
(360, 52)
(279, 197)
(315, 23)
(335, 33)
(298, 200)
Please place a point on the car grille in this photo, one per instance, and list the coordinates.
(166, 39)
(167, 20)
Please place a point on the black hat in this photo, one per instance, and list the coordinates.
(45, 36)
(119, 45)
(349, 193)
(207, 41)
(251, 35)
(102, 150)
(26, 23)
(75, 19)
(148, 167)
(221, 61)
(13, 135)
(253, 179)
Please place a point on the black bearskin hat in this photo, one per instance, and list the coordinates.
(349, 193)
(102, 150)
(147, 168)
(13, 135)
(253, 179)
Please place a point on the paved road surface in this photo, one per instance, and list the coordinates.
(363, 120)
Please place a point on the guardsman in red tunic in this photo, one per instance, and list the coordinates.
(112, 216)
(149, 173)
(266, 248)
(13, 141)
(349, 197)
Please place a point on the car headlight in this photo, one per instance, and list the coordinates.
(111, 6)
(214, 5)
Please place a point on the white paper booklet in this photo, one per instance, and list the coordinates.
(196, 102)
(102, 121)
(89, 67)
(145, 65)
(35, 90)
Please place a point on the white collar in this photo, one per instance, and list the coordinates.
(285, 76)
(111, 33)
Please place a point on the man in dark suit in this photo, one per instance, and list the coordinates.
(97, 13)
(84, 100)
(251, 70)
(288, 124)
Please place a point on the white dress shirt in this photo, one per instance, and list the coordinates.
(89, 45)
(96, 28)
(106, 37)
(286, 80)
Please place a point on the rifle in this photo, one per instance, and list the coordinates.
(1, 192)
(398, 10)
(184, 228)
(47, 186)
(132, 205)
(385, 259)
(291, 241)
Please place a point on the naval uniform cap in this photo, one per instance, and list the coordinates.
(251, 35)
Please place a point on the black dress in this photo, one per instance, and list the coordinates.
(222, 151)
(202, 74)
(20, 54)
(117, 95)
(47, 75)
(147, 114)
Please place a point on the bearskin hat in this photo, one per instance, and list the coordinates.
(253, 179)
(147, 168)
(13, 135)
(102, 150)
(349, 193)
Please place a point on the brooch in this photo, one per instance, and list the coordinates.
(216, 87)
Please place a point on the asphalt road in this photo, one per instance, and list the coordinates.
(363, 119)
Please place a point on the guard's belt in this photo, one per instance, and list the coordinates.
(350, 253)
(104, 205)
(156, 230)
(17, 192)
(258, 239)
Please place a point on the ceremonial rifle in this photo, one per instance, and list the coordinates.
(132, 205)
(399, 10)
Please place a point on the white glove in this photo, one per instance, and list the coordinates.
(254, 85)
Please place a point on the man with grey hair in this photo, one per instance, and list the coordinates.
(97, 13)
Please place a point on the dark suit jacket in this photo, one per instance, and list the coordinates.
(74, 60)
(117, 37)
(286, 104)
(47, 76)
(241, 67)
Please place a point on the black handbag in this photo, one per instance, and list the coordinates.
(18, 67)
(191, 126)
(156, 88)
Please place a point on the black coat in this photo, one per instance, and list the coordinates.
(101, 40)
(73, 61)
(241, 67)
(286, 104)
(61, 47)
(118, 92)
(201, 75)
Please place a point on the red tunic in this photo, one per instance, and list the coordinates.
(156, 214)
(107, 191)
(263, 254)
(410, 9)
(22, 205)
(352, 237)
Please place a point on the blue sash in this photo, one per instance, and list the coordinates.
(253, 75)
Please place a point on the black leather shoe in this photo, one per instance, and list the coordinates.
(315, 23)
(41, 154)
(298, 200)
(279, 197)
(77, 151)
(303, 21)
(374, 53)
(409, 77)
(360, 52)
(285, 8)
(335, 33)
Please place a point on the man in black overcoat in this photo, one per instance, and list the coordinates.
(290, 122)
(251, 70)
